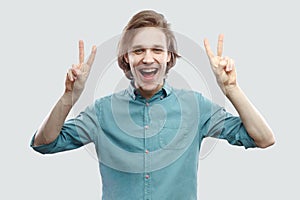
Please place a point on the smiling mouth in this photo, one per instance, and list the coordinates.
(148, 73)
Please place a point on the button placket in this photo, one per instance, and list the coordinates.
(147, 161)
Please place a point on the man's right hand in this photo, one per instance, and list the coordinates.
(75, 81)
(78, 74)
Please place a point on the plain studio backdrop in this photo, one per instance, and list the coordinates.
(39, 43)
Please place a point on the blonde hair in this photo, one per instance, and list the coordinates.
(146, 18)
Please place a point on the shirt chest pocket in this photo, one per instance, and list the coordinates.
(173, 138)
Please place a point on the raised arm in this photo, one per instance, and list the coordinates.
(74, 85)
(225, 72)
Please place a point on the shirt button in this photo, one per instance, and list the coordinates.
(147, 104)
(161, 97)
(146, 151)
(147, 176)
(146, 127)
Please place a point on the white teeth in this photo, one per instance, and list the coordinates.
(148, 70)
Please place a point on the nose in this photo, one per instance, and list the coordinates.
(148, 57)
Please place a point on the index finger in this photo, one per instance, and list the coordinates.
(92, 56)
(220, 45)
(81, 52)
(208, 49)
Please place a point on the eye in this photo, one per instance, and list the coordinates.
(158, 50)
(138, 51)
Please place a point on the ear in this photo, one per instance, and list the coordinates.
(169, 57)
(126, 58)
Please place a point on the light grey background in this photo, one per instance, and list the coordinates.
(38, 44)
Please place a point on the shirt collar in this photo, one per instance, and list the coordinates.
(167, 89)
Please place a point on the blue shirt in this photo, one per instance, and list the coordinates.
(149, 149)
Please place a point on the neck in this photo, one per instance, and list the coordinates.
(147, 94)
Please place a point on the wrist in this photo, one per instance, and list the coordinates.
(232, 90)
(68, 99)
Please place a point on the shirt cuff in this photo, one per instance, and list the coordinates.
(247, 140)
(45, 148)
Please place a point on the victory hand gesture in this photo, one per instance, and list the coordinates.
(223, 67)
(78, 74)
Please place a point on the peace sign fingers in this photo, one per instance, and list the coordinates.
(223, 67)
(91, 58)
(209, 52)
(78, 74)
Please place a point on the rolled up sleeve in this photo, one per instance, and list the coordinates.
(216, 122)
(74, 133)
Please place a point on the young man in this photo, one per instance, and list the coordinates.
(148, 136)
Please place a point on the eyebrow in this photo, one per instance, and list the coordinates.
(142, 47)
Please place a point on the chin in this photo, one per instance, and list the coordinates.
(148, 87)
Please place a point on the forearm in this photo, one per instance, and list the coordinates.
(51, 126)
(253, 121)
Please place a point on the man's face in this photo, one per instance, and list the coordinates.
(148, 56)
